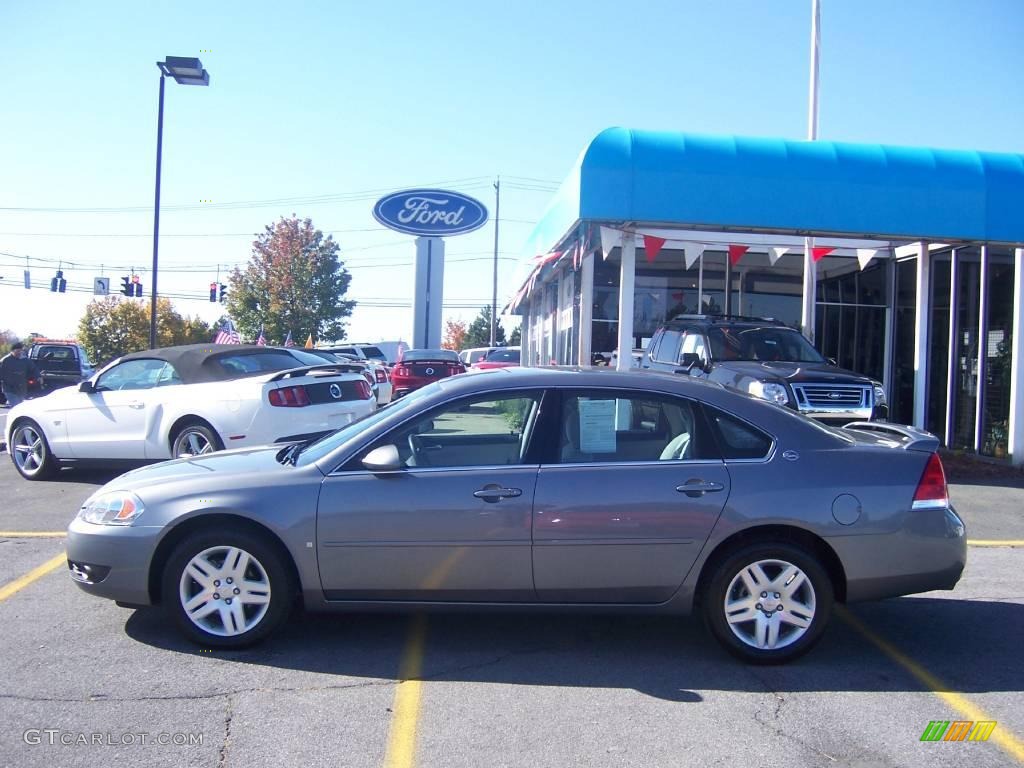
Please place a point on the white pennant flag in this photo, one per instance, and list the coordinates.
(693, 251)
(775, 254)
(610, 238)
(865, 255)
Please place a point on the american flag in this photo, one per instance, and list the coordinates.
(288, 341)
(227, 334)
(261, 340)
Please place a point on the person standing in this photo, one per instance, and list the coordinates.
(15, 371)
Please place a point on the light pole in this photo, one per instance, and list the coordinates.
(185, 71)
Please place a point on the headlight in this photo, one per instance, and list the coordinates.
(880, 395)
(115, 508)
(773, 393)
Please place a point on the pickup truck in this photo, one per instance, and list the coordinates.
(59, 364)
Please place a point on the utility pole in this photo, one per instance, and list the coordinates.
(494, 286)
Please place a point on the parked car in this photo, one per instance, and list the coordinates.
(537, 487)
(376, 373)
(470, 357)
(500, 357)
(418, 367)
(185, 401)
(60, 363)
(769, 360)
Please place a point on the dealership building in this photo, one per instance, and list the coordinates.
(902, 263)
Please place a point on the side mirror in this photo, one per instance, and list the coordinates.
(832, 361)
(87, 387)
(383, 459)
(689, 361)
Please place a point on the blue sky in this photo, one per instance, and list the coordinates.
(339, 98)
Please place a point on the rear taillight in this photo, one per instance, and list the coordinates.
(931, 491)
(456, 369)
(381, 374)
(364, 391)
(401, 371)
(369, 377)
(289, 397)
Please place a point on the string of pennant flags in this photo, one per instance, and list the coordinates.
(611, 238)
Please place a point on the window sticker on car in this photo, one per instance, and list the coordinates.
(597, 426)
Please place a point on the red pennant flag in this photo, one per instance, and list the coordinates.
(652, 245)
(817, 254)
(736, 253)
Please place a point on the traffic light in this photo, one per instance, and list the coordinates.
(136, 286)
(223, 293)
(126, 286)
(213, 292)
(58, 283)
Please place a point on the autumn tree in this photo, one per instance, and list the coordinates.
(294, 283)
(113, 326)
(479, 332)
(454, 335)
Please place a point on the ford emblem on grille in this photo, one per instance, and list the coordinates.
(430, 371)
(335, 391)
(834, 395)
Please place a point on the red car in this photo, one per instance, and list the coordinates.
(418, 367)
(502, 357)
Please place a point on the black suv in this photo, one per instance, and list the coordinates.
(767, 359)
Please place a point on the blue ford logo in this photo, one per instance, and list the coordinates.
(430, 212)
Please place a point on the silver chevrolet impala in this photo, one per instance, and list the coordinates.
(540, 489)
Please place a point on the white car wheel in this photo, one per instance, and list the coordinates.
(30, 452)
(195, 440)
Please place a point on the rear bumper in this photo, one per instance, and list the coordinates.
(929, 552)
(114, 559)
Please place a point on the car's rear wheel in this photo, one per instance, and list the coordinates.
(227, 590)
(30, 452)
(195, 439)
(768, 603)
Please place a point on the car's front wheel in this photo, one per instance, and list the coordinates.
(30, 452)
(768, 603)
(227, 590)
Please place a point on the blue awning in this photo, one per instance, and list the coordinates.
(823, 188)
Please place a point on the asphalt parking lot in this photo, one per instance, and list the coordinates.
(500, 690)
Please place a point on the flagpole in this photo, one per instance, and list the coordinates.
(810, 268)
(494, 285)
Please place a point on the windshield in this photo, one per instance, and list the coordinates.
(414, 355)
(322, 446)
(769, 343)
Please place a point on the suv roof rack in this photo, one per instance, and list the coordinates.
(730, 318)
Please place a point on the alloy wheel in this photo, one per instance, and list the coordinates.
(224, 591)
(194, 443)
(769, 604)
(28, 450)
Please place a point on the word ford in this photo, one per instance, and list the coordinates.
(417, 210)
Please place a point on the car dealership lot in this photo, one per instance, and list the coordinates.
(501, 689)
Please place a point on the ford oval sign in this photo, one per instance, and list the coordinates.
(430, 212)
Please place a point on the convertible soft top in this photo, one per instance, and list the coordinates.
(197, 363)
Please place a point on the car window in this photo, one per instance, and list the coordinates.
(738, 439)
(132, 374)
(373, 352)
(55, 353)
(413, 355)
(616, 427)
(254, 363)
(668, 347)
(480, 431)
(761, 344)
(502, 356)
(693, 343)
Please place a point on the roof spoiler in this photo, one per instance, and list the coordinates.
(909, 438)
(327, 368)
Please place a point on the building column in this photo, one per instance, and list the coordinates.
(1015, 435)
(627, 279)
(922, 313)
(810, 294)
(586, 328)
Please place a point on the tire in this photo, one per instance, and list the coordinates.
(796, 620)
(195, 439)
(30, 452)
(213, 618)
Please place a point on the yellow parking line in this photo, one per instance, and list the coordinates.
(36, 573)
(1002, 736)
(995, 542)
(33, 534)
(406, 707)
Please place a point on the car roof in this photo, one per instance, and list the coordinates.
(733, 320)
(197, 363)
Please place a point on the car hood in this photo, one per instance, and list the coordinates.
(795, 373)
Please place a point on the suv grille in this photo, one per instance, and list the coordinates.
(833, 396)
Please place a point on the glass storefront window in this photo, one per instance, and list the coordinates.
(901, 400)
(965, 369)
(850, 315)
(999, 330)
(938, 356)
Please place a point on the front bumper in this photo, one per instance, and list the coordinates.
(928, 552)
(112, 561)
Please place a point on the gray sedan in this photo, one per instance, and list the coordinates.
(539, 489)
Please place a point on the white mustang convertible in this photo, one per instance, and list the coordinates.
(184, 401)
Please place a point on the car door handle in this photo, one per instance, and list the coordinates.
(699, 487)
(136, 404)
(494, 493)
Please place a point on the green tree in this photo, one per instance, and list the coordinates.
(479, 332)
(516, 337)
(294, 282)
(7, 337)
(112, 327)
